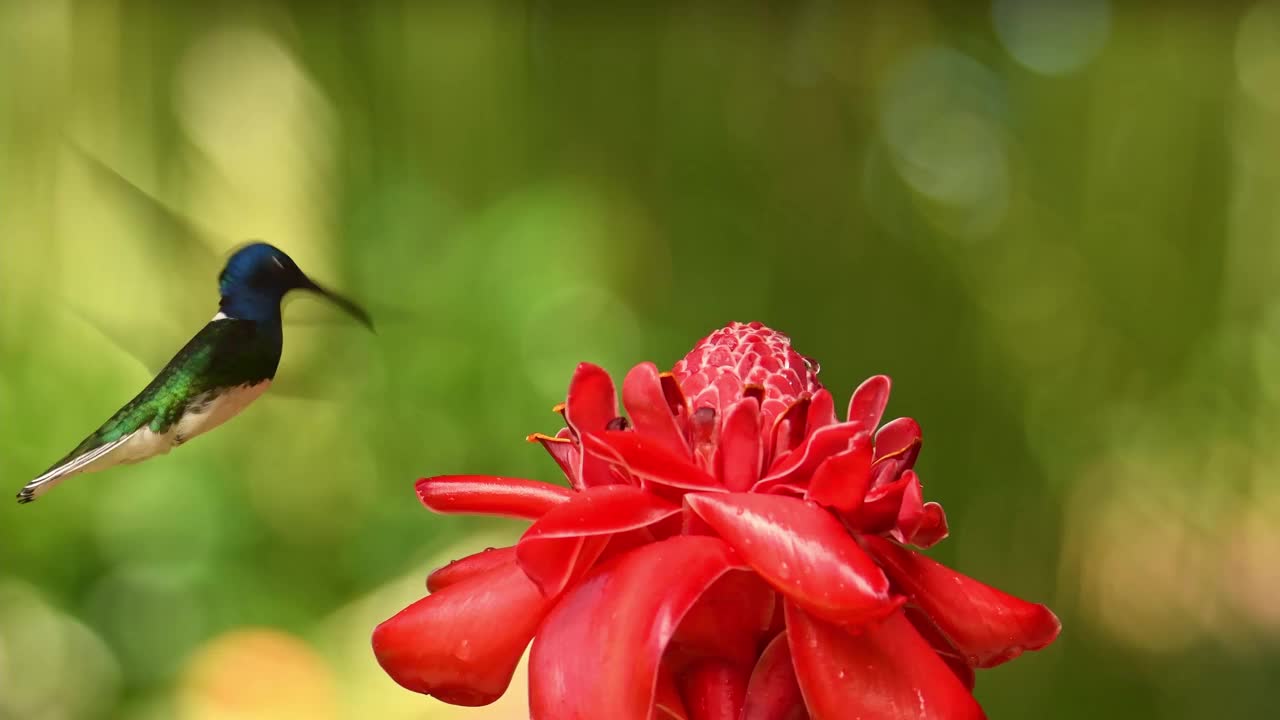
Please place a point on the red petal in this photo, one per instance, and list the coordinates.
(694, 525)
(867, 405)
(886, 672)
(986, 626)
(670, 526)
(624, 542)
(789, 489)
(885, 472)
(842, 480)
(788, 429)
(798, 466)
(802, 550)
(941, 645)
(647, 406)
(667, 704)
(704, 425)
(779, 622)
(591, 404)
(910, 511)
(738, 454)
(564, 451)
(879, 512)
(822, 411)
(469, 567)
(490, 495)
(553, 566)
(773, 693)
(552, 551)
(675, 397)
(930, 632)
(592, 401)
(961, 670)
(933, 527)
(597, 653)
(899, 439)
(714, 690)
(729, 619)
(462, 644)
(648, 460)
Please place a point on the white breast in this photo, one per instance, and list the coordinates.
(208, 412)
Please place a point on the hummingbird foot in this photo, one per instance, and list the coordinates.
(26, 495)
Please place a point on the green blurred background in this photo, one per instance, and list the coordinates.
(1053, 223)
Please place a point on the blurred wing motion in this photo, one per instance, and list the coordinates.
(186, 292)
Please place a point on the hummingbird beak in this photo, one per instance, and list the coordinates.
(350, 307)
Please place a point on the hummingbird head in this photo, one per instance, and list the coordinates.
(259, 275)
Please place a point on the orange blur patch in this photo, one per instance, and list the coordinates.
(257, 674)
(540, 437)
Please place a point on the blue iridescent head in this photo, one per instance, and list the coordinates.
(258, 276)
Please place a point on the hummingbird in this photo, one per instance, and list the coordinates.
(229, 363)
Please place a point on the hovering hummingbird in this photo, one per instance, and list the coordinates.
(226, 366)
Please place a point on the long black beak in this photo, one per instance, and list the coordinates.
(346, 304)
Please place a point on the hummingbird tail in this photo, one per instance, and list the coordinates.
(43, 484)
(38, 487)
(65, 469)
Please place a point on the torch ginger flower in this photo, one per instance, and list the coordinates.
(728, 550)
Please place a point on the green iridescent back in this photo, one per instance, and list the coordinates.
(225, 353)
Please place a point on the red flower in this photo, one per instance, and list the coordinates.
(729, 549)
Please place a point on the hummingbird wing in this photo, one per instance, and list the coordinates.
(189, 256)
(225, 353)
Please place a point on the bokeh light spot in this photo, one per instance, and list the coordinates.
(941, 116)
(1266, 353)
(239, 95)
(1257, 54)
(1252, 575)
(38, 646)
(151, 616)
(265, 135)
(158, 522)
(1052, 37)
(601, 320)
(321, 472)
(257, 674)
